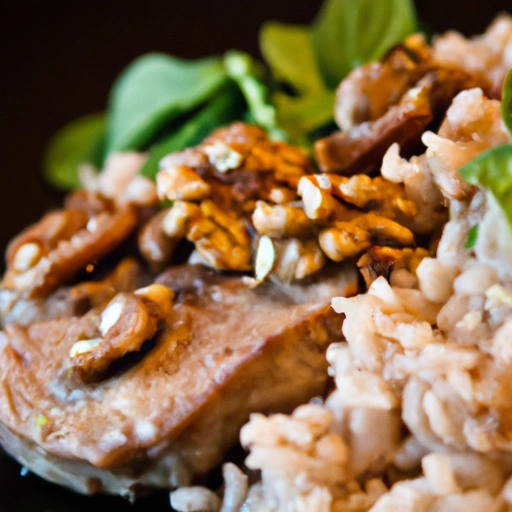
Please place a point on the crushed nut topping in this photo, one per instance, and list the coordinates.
(270, 213)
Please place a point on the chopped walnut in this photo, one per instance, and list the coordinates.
(217, 187)
(287, 259)
(388, 261)
(282, 221)
(181, 183)
(129, 320)
(348, 239)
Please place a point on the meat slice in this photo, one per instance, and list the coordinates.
(363, 146)
(161, 416)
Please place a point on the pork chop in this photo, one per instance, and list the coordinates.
(167, 409)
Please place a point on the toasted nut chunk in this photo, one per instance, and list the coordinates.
(265, 258)
(177, 220)
(181, 183)
(362, 191)
(222, 156)
(297, 259)
(26, 256)
(281, 195)
(384, 229)
(311, 260)
(316, 195)
(344, 240)
(282, 221)
(230, 222)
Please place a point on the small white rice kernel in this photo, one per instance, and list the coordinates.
(438, 471)
(195, 499)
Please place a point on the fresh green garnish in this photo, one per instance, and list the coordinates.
(153, 91)
(80, 141)
(472, 236)
(162, 104)
(40, 420)
(506, 102)
(221, 109)
(492, 170)
(246, 72)
(348, 33)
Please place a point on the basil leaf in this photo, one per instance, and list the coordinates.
(245, 72)
(281, 46)
(80, 141)
(154, 90)
(506, 102)
(348, 33)
(493, 170)
(472, 236)
(223, 108)
(304, 114)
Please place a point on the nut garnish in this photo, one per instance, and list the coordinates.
(179, 182)
(265, 258)
(223, 157)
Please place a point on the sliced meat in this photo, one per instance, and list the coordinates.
(156, 247)
(70, 301)
(362, 148)
(368, 91)
(55, 249)
(226, 350)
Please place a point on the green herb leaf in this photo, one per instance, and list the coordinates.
(223, 108)
(472, 236)
(245, 71)
(506, 102)
(154, 90)
(80, 141)
(493, 170)
(305, 113)
(348, 33)
(288, 51)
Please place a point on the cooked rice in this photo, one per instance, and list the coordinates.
(421, 415)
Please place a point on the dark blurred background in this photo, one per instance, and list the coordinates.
(58, 59)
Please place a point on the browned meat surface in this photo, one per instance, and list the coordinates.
(53, 251)
(362, 147)
(71, 301)
(157, 419)
(368, 91)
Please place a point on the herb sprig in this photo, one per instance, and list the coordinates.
(161, 104)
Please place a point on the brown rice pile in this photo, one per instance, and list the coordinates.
(421, 416)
